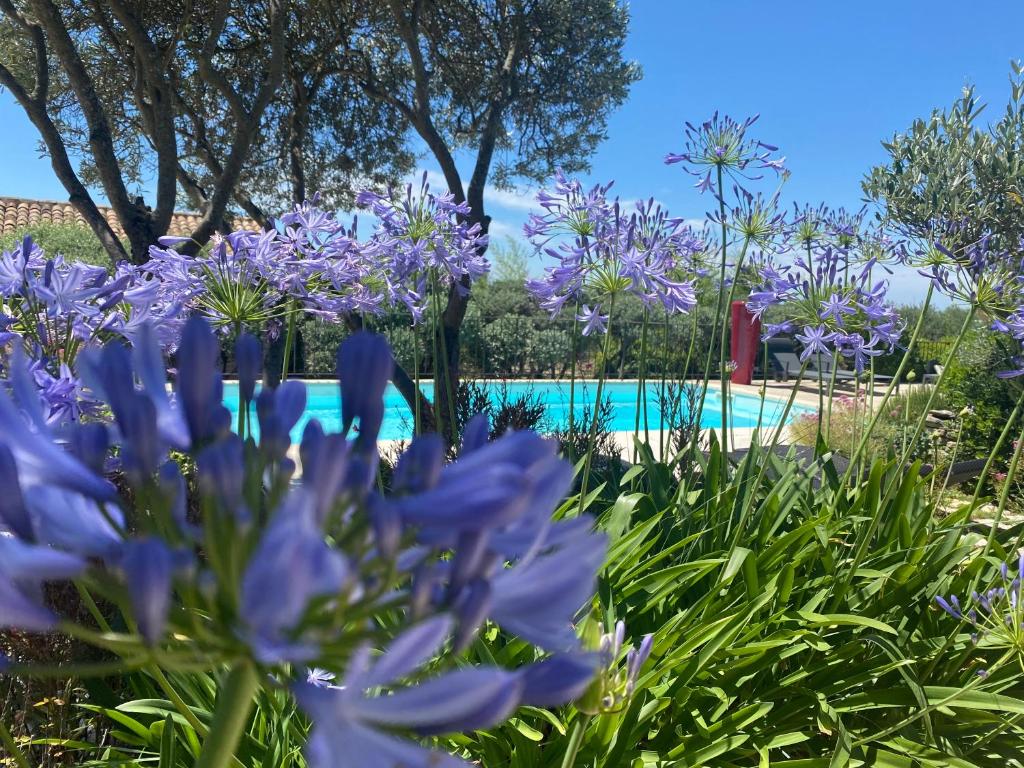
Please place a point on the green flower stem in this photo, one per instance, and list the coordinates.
(949, 469)
(290, 311)
(924, 712)
(1004, 494)
(661, 390)
(718, 311)
(720, 316)
(572, 381)
(241, 402)
(723, 358)
(435, 359)
(234, 702)
(764, 390)
(80, 670)
(417, 417)
(864, 544)
(1014, 415)
(575, 740)
(640, 393)
(695, 438)
(831, 394)
(592, 436)
(11, 746)
(821, 409)
(449, 385)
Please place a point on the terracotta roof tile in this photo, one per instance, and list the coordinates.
(17, 213)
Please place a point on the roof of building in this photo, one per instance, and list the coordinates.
(17, 214)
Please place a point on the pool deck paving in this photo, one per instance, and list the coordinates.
(739, 437)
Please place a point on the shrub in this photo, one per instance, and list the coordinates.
(504, 410)
(550, 351)
(971, 383)
(75, 242)
(320, 342)
(507, 340)
(845, 420)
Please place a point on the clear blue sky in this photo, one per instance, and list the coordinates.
(829, 78)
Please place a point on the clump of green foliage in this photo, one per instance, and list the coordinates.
(75, 242)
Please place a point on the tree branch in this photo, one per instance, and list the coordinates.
(157, 112)
(247, 121)
(34, 105)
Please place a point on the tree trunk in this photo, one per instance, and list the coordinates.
(296, 139)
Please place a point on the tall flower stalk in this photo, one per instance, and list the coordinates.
(716, 151)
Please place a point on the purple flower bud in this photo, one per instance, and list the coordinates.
(471, 608)
(28, 565)
(148, 566)
(325, 466)
(292, 566)
(74, 522)
(365, 367)
(249, 360)
(951, 609)
(420, 466)
(141, 447)
(221, 471)
(635, 662)
(13, 514)
(17, 611)
(475, 433)
(387, 527)
(90, 443)
(172, 485)
(198, 383)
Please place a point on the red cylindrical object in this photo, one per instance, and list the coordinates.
(746, 338)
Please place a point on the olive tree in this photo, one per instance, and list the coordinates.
(107, 86)
(953, 177)
(498, 91)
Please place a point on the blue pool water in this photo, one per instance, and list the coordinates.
(323, 402)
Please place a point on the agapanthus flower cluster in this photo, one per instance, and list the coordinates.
(995, 617)
(619, 672)
(721, 145)
(832, 311)
(1012, 325)
(283, 573)
(755, 219)
(602, 250)
(307, 261)
(51, 309)
(423, 242)
(989, 279)
(977, 274)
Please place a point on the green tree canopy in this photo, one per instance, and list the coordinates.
(952, 177)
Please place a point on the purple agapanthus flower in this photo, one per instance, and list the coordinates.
(815, 341)
(423, 242)
(722, 144)
(842, 311)
(592, 320)
(993, 616)
(602, 250)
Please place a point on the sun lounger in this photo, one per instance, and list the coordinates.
(790, 365)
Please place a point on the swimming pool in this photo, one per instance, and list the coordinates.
(323, 402)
